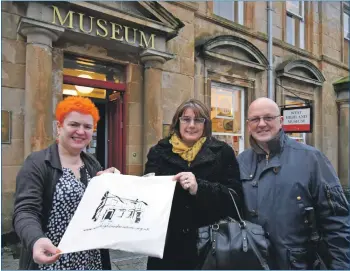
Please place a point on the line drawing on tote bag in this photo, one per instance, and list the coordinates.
(113, 208)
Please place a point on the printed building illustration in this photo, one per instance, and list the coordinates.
(114, 208)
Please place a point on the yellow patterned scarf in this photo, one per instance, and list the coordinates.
(186, 153)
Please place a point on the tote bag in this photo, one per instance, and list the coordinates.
(122, 212)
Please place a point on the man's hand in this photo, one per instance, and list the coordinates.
(44, 252)
(108, 170)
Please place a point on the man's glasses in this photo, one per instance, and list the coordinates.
(188, 120)
(267, 119)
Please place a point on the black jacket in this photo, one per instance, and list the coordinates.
(35, 186)
(216, 169)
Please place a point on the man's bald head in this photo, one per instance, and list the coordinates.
(264, 121)
(264, 102)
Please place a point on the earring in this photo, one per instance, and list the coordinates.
(57, 140)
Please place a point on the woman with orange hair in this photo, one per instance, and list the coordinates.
(49, 187)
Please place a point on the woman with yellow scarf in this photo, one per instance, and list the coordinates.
(204, 169)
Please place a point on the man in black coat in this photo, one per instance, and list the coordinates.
(292, 190)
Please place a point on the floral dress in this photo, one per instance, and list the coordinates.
(68, 193)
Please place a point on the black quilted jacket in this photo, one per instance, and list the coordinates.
(216, 169)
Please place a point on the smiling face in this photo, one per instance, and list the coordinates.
(191, 129)
(76, 131)
(263, 130)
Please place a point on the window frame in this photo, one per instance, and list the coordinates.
(232, 88)
(299, 26)
(346, 10)
(238, 17)
(302, 17)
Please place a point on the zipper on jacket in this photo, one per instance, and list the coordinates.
(267, 158)
(329, 199)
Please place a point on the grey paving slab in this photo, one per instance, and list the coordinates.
(121, 260)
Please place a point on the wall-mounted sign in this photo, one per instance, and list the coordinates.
(102, 28)
(5, 127)
(297, 119)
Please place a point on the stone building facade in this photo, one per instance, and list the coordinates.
(140, 60)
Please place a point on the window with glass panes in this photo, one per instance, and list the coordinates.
(295, 23)
(346, 31)
(227, 114)
(230, 10)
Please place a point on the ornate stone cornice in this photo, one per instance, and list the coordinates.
(39, 32)
(154, 59)
(260, 62)
(285, 68)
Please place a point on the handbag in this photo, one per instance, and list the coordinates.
(233, 245)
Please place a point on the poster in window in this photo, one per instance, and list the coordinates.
(5, 127)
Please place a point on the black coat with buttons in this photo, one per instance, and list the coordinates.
(216, 169)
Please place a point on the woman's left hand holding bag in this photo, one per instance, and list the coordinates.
(187, 181)
(44, 252)
(109, 170)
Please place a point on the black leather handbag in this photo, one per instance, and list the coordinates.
(233, 245)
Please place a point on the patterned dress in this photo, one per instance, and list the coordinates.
(68, 193)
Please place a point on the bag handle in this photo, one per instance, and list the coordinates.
(241, 221)
(243, 226)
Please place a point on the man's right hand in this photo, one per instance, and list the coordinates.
(44, 252)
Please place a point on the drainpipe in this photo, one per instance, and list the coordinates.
(270, 90)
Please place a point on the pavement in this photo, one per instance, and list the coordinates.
(120, 260)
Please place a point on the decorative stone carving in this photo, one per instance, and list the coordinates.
(256, 58)
(292, 69)
(39, 32)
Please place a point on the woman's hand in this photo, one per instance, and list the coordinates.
(188, 182)
(44, 252)
(108, 170)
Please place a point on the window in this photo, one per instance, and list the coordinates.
(227, 115)
(300, 137)
(295, 24)
(90, 69)
(346, 22)
(346, 28)
(230, 10)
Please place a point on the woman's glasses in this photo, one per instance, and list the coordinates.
(188, 120)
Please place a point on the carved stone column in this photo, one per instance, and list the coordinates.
(153, 110)
(343, 158)
(38, 83)
(342, 88)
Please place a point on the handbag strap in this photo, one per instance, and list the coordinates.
(243, 226)
(257, 253)
(241, 221)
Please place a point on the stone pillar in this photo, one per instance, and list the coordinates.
(342, 89)
(343, 149)
(153, 109)
(38, 83)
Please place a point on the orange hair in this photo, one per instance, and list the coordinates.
(78, 104)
